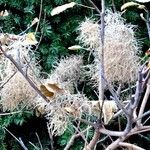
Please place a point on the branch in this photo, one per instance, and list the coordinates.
(39, 17)
(111, 133)
(146, 96)
(101, 56)
(71, 141)
(116, 99)
(74, 136)
(130, 146)
(18, 140)
(51, 138)
(41, 147)
(97, 9)
(148, 23)
(94, 140)
(24, 74)
(8, 80)
(6, 114)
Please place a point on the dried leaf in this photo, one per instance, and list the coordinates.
(39, 111)
(4, 13)
(62, 8)
(147, 52)
(109, 108)
(4, 39)
(143, 1)
(129, 4)
(75, 47)
(142, 7)
(30, 39)
(72, 110)
(46, 92)
(142, 17)
(34, 21)
(55, 87)
(69, 110)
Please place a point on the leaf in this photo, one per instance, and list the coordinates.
(46, 92)
(30, 39)
(4, 13)
(75, 47)
(55, 87)
(35, 20)
(39, 111)
(72, 110)
(147, 52)
(4, 39)
(142, 1)
(109, 108)
(129, 4)
(69, 110)
(62, 8)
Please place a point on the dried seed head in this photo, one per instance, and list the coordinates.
(120, 48)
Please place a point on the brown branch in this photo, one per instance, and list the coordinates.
(113, 6)
(142, 107)
(148, 23)
(111, 133)
(97, 9)
(74, 136)
(24, 74)
(38, 138)
(71, 141)
(11, 113)
(116, 99)
(130, 146)
(18, 140)
(96, 136)
(8, 80)
(39, 17)
(101, 56)
(51, 138)
(94, 140)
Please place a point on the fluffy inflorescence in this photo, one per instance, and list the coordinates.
(68, 69)
(89, 33)
(120, 48)
(66, 73)
(59, 109)
(16, 92)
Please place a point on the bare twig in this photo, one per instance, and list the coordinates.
(74, 136)
(51, 138)
(146, 120)
(41, 37)
(130, 146)
(18, 140)
(11, 113)
(97, 9)
(116, 99)
(71, 141)
(94, 140)
(8, 80)
(41, 147)
(148, 23)
(39, 16)
(24, 74)
(113, 5)
(142, 107)
(101, 56)
(96, 136)
(35, 147)
(111, 133)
